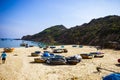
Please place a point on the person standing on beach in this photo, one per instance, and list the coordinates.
(3, 56)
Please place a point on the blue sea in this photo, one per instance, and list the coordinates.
(4, 43)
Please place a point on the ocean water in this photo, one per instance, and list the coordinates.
(4, 43)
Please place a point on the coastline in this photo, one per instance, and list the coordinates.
(22, 66)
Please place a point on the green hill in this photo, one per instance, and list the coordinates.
(96, 32)
(48, 35)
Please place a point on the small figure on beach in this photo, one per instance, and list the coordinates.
(3, 56)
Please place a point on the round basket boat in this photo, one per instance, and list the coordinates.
(34, 54)
(39, 60)
(8, 50)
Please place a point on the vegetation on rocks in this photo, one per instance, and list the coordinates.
(96, 32)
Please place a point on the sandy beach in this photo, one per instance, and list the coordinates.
(22, 66)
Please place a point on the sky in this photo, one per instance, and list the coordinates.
(27, 17)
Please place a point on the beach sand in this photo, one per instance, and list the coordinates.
(22, 66)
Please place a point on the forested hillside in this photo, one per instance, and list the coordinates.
(96, 32)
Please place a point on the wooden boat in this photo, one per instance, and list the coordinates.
(58, 51)
(31, 45)
(36, 53)
(97, 54)
(52, 47)
(73, 60)
(56, 61)
(8, 50)
(74, 45)
(86, 56)
(65, 50)
(39, 60)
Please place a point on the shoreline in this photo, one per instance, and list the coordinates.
(21, 67)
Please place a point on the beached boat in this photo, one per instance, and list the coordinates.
(47, 55)
(58, 51)
(39, 60)
(44, 48)
(112, 76)
(52, 47)
(8, 50)
(97, 54)
(46, 51)
(74, 45)
(86, 56)
(36, 53)
(31, 45)
(65, 50)
(73, 60)
(56, 61)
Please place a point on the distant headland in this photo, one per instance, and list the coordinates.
(96, 32)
